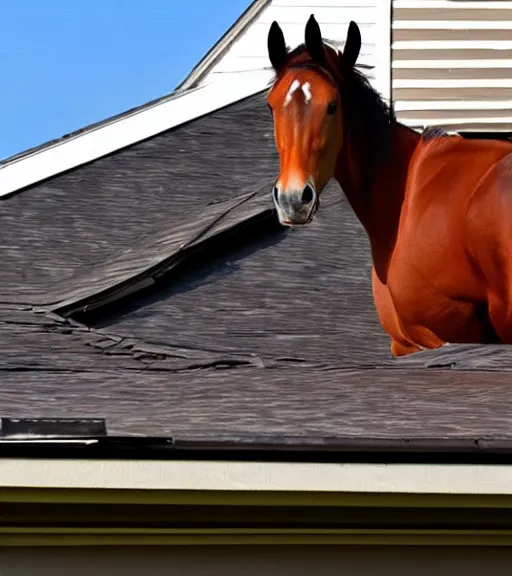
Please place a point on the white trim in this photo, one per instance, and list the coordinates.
(475, 64)
(452, 25)
(404, 105)
(219, 48)
(458, 5)
(112, 136)
(382, 70)
(453, 83)
(260, 476)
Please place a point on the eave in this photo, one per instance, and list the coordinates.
(47, 503)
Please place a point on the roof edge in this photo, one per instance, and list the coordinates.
(87, 128)
(222, 45)
(58, 156)
(369, 451)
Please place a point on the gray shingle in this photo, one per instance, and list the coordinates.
(273, 334)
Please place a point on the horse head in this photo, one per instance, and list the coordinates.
(307, 110)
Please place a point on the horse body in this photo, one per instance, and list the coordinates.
(437, 210)
(436, 288)
(490, 241)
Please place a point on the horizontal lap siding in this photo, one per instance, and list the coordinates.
(248, 54)
(452, 64)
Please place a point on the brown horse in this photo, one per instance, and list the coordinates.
(437, 209)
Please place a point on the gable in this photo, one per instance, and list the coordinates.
(243, 54)
(235, 69)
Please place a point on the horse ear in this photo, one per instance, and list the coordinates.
(313, 37)
(276, 45)
(352, 46)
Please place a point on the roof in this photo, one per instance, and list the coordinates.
(154, 288)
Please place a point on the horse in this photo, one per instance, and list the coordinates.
(436, 208)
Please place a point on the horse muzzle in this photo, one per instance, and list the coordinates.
(295, 207)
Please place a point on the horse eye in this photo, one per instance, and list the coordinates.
(331, 107)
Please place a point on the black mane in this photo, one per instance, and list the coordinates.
(434, 133)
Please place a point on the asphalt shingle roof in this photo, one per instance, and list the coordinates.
(234, 328)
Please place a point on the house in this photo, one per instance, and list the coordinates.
(185, 381)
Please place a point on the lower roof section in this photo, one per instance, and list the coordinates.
(65, 373)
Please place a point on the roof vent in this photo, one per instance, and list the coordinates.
(46, 428)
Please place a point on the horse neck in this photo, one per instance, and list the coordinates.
(377, 199)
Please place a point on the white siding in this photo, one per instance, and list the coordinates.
(452, 64)
(248, 53)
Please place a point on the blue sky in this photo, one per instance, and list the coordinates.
(67, 63)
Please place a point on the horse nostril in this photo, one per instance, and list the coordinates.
(308, 195)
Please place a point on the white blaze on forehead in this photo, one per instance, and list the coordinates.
(295, 85)
(306, 88)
